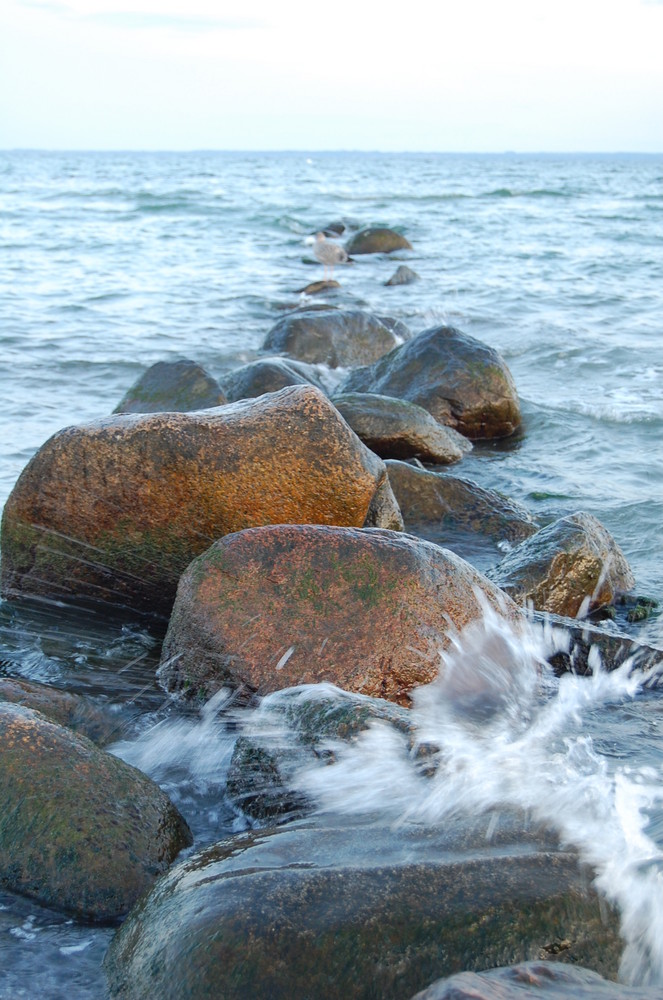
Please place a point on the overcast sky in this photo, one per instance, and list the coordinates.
(447, 75)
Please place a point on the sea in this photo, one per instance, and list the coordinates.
(112, 261)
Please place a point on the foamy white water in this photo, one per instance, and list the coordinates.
(510, 735)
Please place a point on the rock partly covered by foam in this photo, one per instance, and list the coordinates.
(377, 239)
(116, 509)
(356, 912)
(395, 428)
(569, 567)
(80, 830)
(334, 337)
(462, 382)
(268, 375)
(181, 386)
(403, 275)
(458, 513)
(274, 607)
(534, 981)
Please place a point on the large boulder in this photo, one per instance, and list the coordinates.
(80, 830)
(334, 337)
(535, 981)
(377, 239)
(458, 513)
(268, 375)
(355, 913)
(394, 428)
(461, 381)
(116, 509)
(274, 607)
(570, 567)
(172, 385)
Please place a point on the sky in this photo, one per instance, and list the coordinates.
(426, 75)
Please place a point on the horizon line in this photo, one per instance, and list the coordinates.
(341, 150)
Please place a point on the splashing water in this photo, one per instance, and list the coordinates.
(504, 732)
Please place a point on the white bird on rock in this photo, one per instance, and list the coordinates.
(328, 253)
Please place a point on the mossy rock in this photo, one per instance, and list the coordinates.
(179, 386)
(377, 239)
(334, 337)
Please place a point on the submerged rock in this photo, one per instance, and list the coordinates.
(116, 509)
(316, 287)
(377, 239)
(66, 709)
(334, 337)
(80, 830)
(268, 375)
(179, 386)
(274, 607)
(458, 513)
(354, 913)
(462, 382)
(569, 567)
(534, 981)
(580, 646)
(403, 275)
(394, 428)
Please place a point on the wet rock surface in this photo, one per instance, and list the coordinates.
(80, 830)
(458, 513)
(268, 375)
(279, 606)
(403, 275)
(569, 567)
(377, 239)
(315, 911)
(395, 428)
(534, 981)
(115, 510)
(460, 381)
(172, 386)
(334, 337)
(66, 709)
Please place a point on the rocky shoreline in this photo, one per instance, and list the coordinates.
(294, 535)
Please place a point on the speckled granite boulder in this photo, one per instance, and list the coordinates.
(458, 513)
(354, 913)
(462, 382)
(179, 386)
(115, 510)
(394, 428)
(268, 375)
(66, 709)
(377, 239)
(569, 567)
(366, 610)
(334, 337)
(80, 830)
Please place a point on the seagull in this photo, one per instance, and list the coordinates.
(328, 253)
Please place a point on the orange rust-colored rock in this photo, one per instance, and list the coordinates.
(278, 606)
(116, 509)
(80, 830)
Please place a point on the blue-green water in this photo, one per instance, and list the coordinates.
(111, 262)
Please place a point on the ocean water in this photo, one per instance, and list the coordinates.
(113, 261)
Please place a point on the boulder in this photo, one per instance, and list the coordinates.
(268, 375)
(458, 513)
(377, 239)
(355, 913)
(569, 568)
(80, 830)
(66, 709)
(116, 509)
(535, 981)
(365, 609)
(461, 381)
(395, 428)
(334, 337)
(179, 386)
(403, 275)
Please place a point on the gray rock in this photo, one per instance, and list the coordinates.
(569, 567)
(179, 386)
(268, 375)
(354, 913)
(395, 428)
(460, 381)
(335, 337)
(403, 275)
